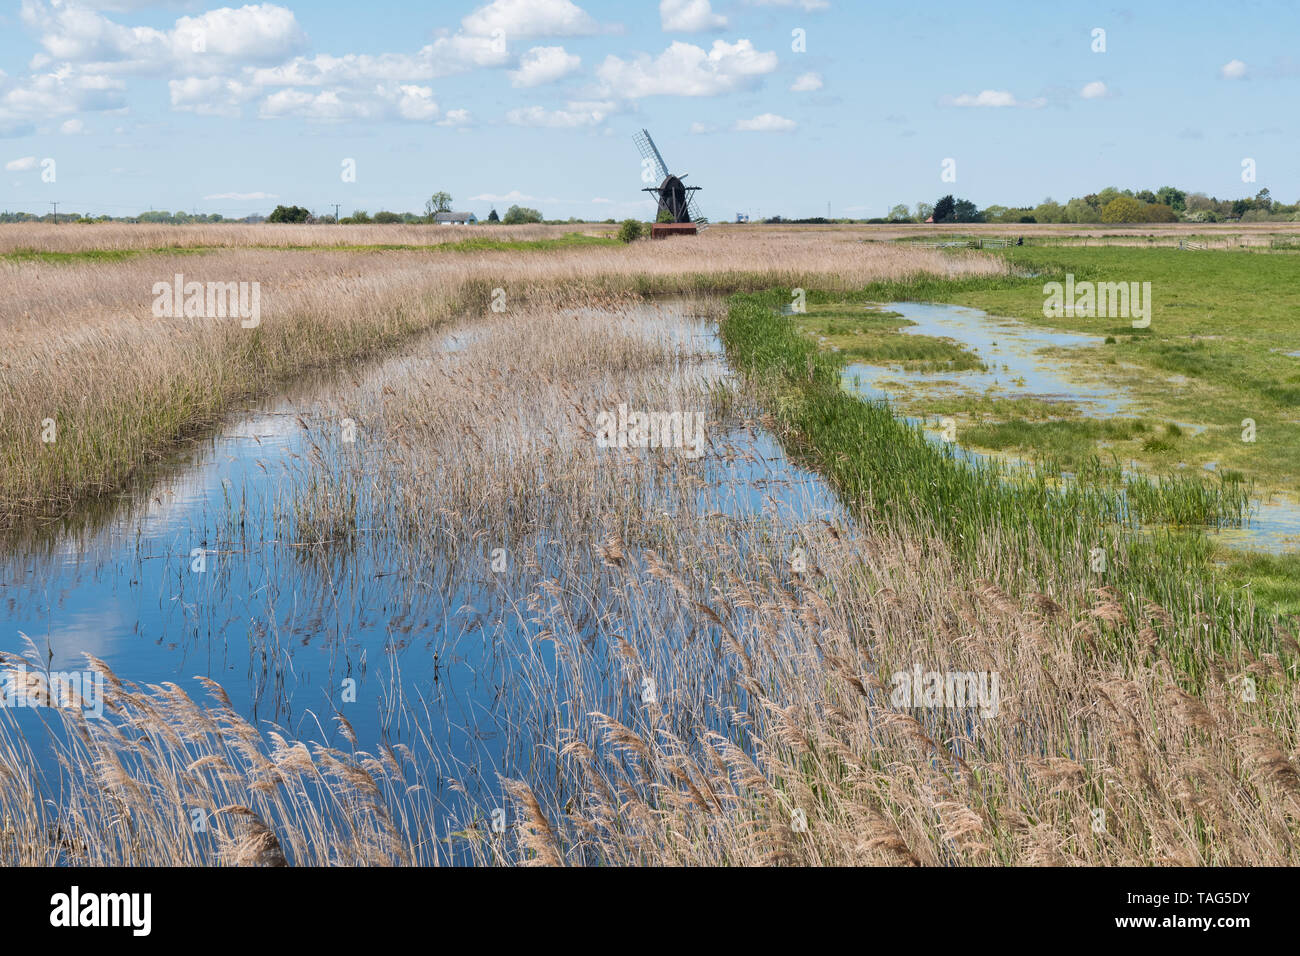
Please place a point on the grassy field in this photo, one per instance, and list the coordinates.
(1216, 353)
(769, 620)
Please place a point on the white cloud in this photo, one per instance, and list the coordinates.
(1233, 70)
(687, 70)
(543, 64)
(20, 165)
(405, 101)
(66, 90)
(689, 16)
(455, 118)
(72, 127)
(415, 102)
(259, 33)
(209, 96)
(807, 83)
(534, 18)
(209, 43)
(574, 114)
(513, 196)
(353, 86)
(602, 201)
(1094, 90)
(765, 123)
(700, 129)
(444, 57)
(242, 196)
(801, 4)
(991, 98)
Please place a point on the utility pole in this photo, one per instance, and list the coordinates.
(56, 212)
(336, 213)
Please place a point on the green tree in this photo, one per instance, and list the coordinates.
(1079, 210)
(518, 215)
(630, 231)
(288, 214)
(386, 217)
(1175, 199)
(900, 213)
(924, 211)
(438, 202)
(1159, 212)
(943, 209)
(1106, 195)
(1125, 209)
(963, 210)
(493, 217)
(1049, 210)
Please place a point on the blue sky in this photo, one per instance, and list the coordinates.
(233, 109)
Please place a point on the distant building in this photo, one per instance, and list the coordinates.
(455, 218)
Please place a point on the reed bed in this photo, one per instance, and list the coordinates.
(697, 664)
(119, 237)
(82, 349)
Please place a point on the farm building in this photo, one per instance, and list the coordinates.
(455, 218)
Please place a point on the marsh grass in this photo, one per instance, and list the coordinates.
(771, 706)
(81, 347)
(879, 463)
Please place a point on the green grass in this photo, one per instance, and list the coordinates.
(1270, 578)
(887, 468)
(1069, 442)
(1214, 354)
(871, 335)
(101, 255)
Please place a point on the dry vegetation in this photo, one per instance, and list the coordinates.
(119, 237)
(116, 237)
(771, 702)
(80, 345)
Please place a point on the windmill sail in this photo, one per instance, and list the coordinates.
(646, 146)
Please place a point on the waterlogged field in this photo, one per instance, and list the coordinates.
(760, 547)
(1190, 382)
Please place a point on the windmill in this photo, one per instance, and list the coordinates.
(673, 196)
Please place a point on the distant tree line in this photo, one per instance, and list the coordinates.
(1110, 205)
